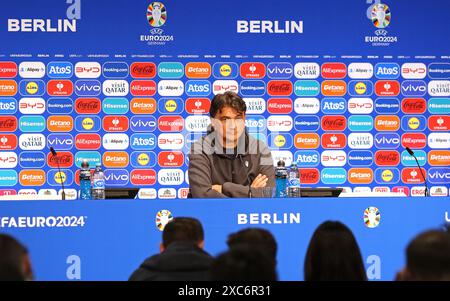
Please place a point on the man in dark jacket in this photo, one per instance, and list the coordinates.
(228, 162)
(182, 257)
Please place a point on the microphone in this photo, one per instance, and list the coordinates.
(54, 154)
(420, 169)
(248, 178)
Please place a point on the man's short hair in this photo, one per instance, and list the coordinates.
(243, 263)
(428, 256)
(255, 237)
(227, 99)
(11, 256)
(183, 229)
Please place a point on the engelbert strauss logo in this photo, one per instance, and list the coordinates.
(380, 16)
(156, 17)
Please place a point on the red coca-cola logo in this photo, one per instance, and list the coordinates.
(387, 158)
(87, 105)
(65, 160)
(334, 123)
(279, 88)
(143, 70)
(414, 105)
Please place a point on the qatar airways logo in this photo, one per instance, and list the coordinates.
(270, 27)
(69, 24)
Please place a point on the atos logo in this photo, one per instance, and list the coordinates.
(198, 88)
(280, 70)
(333, 105)
(252, 88)
(439, 175)
(143, 141)
(8, 106)
(143, 177)
(59, 105)
(333, 176)
(32, 160)
(222, 70)
(414, 123)
(280, 141)
(414, 88)
(255, 123)
(438, 70)
(200, 106)
(306, 123)
(54, 178)
(60, 69)
(88, 88)
(414, 105)
(32, 87)
(88, 123)
(172, 105)
(408, 160)
(60, 141)
(387, 175)
(307, 158)
(387, 105)
(143, 123)
(360, 158)
(143, 159)
(115, 69)
(116, 177)
(387, 140)
(387, 70)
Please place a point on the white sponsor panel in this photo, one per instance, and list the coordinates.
(307, 70)
(222, 86)
(255, 105)
(418, 191)
(439, 88)
(32, 69)
(281, 123)
(362, 189)
(360, 70)
(88, 70)
(414, 70)
(171, 141)
(71, 194)
(439, 191)
(32, 105)
(170, 88)
(333, 158)
(27, 191)
(381, 189)
(8, 159)
(147, 193)
(360, 140)
(183, 193)
(118, 87)
(306, 106)
(32, 141)
(360, 105)
(197, 123)
(115, 141)
(167, 193)
(47, 192)
(439, 140)
(285, 156)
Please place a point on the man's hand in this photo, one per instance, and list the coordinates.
(260, 181)
(217, 188)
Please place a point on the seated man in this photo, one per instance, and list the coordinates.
(228, 162)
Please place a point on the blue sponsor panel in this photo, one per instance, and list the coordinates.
(143, 159)
(439, 105)
(143, 141)
(225, 70)
(115, 69)
(32, 124)
(360, 123)
(439, 70)
(387, 175)
(143, 123)
(408, 160)
(333, 176)
(170, 105)
(333, 105)
(280, 70)
(92, 158)
(116, 177)
(198, 88)
(55, 179)
(360, 158)
(59, 105)
(32, 160)
(87, 88)
(439, 175)
(115, 105)
(307, 158)
(88, 123)
(281, 141)
(306, 123)
(305, 88)
(387, 140)
(255, 123)
(413, 88)
(62, 141)
(168, 70)
(387, 105)
(8, 105)
(59, 70)
(32, 87)
(252, 88)
(8, 178)
(414, 123)
(360, 88)
(387, 70)
(258, 136)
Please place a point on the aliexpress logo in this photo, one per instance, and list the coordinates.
(360, 175)
(65, 160)
(306, 140)
(334, 88)
(143, 105)
(143, 177)
(88, 141)
(334, 123)
(8, 69)
(414, 140)
(170, 123)
(143, 88)
(59, 123)
(334, 140)
(32, 177)
(59, 87)
(439, 157)
(198, 70)
(334, 70)
(8, 87)
(279, 105)
(387, 123)
(115, 159)
(387, 158)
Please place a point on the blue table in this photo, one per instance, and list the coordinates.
(107, 240)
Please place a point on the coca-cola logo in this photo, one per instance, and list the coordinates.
(88, 105)
(141, 70)
(387, 158)
(414, 105)
(334, 123)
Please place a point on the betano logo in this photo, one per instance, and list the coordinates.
(112, 159)
(387, 123)
(334, 88)
(360, 175)
(32, 177)
(306, 140)
(59, 123)
(198, 70)
(143, 106)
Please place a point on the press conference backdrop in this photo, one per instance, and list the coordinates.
(341, 88)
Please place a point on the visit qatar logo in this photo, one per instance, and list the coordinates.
(380, 16)
(156, 18)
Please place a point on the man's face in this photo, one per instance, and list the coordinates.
(229, 124)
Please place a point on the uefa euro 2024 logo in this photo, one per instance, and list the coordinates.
(156, 18)
(380, 16)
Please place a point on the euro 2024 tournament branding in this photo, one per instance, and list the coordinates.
(156, 18)
(380, 16)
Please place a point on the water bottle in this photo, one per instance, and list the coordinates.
(280, 179)
(293, 181)
(98, 183)
(85, 181)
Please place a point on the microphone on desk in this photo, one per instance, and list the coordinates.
(54, 154)
(420, 169)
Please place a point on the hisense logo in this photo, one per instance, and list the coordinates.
(73, 14)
